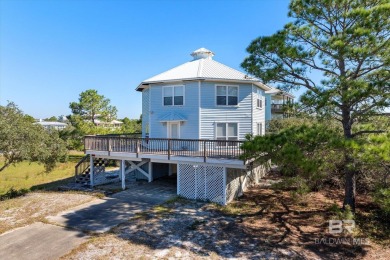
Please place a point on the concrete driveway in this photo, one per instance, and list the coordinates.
(69, 228)
(101, 215)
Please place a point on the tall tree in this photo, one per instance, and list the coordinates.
(20, 140)
(343, 43)
(92, 105)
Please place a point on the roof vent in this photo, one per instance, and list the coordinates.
(202, 53)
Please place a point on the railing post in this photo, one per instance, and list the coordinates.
(169, 149)
(108, 145)
(204, 151)
(137, 148)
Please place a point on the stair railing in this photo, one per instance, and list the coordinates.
(82, 166)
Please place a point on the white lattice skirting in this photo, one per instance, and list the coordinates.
(215, 183)
(201, 182)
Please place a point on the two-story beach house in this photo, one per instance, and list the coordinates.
(194, 118)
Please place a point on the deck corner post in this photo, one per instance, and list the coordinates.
(138, 147)
(169, 149)
(204, 151)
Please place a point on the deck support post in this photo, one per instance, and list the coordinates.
(120, 170)
(170, 170)
(169, 149)
(204, 151)
(123, 176)
(150, 175)
(91, 175)
(224, 185)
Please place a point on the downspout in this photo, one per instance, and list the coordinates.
(199, 111)
(252, 110)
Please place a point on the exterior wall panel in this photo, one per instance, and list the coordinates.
(211, 113)
(188, 129)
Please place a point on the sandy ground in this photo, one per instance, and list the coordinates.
(264, 223)
(34, 206)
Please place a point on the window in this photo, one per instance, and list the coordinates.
(227, 95)
(173, 96)
(259, 129)
(227, 132)
(259, 99)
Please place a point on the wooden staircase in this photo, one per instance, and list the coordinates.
(83, 168)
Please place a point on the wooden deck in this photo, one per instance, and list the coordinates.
(162, 148)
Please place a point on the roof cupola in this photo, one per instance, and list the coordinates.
(202, 53)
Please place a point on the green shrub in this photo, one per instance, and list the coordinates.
(382, 198)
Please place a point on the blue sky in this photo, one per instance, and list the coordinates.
(52, 50)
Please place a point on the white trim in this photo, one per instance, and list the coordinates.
(123, 175)
(252, 109)
(227, 87)
(169, 130)
(232, 163)
(150, 114)
(199, 111)
(259, 125)
(226, 122)
(178, 180)
(173, 95)
(234, 81)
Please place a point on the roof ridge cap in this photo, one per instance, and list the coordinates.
(200, 68)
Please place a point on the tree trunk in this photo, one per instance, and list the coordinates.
(350, 187)
(349, 171)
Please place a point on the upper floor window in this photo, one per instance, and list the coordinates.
(259, 99)
(227, 95)
(173, 95)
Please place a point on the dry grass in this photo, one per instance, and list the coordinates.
(35, 206)
(30, 176)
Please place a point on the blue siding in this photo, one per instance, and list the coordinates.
(258, 113)
(211, 113)
(145, 112)
(246, 114)
(189, 129)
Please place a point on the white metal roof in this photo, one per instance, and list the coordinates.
(203, 67)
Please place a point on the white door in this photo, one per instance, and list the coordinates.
(174, 130)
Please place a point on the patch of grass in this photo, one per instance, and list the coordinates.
(177, 199)
(141, 216)
(27, 176)
(236, 208)
(161, 210)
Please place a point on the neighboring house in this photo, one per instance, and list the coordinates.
(52, 125)
(276, 101)
(194, 119)
(111, 124)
